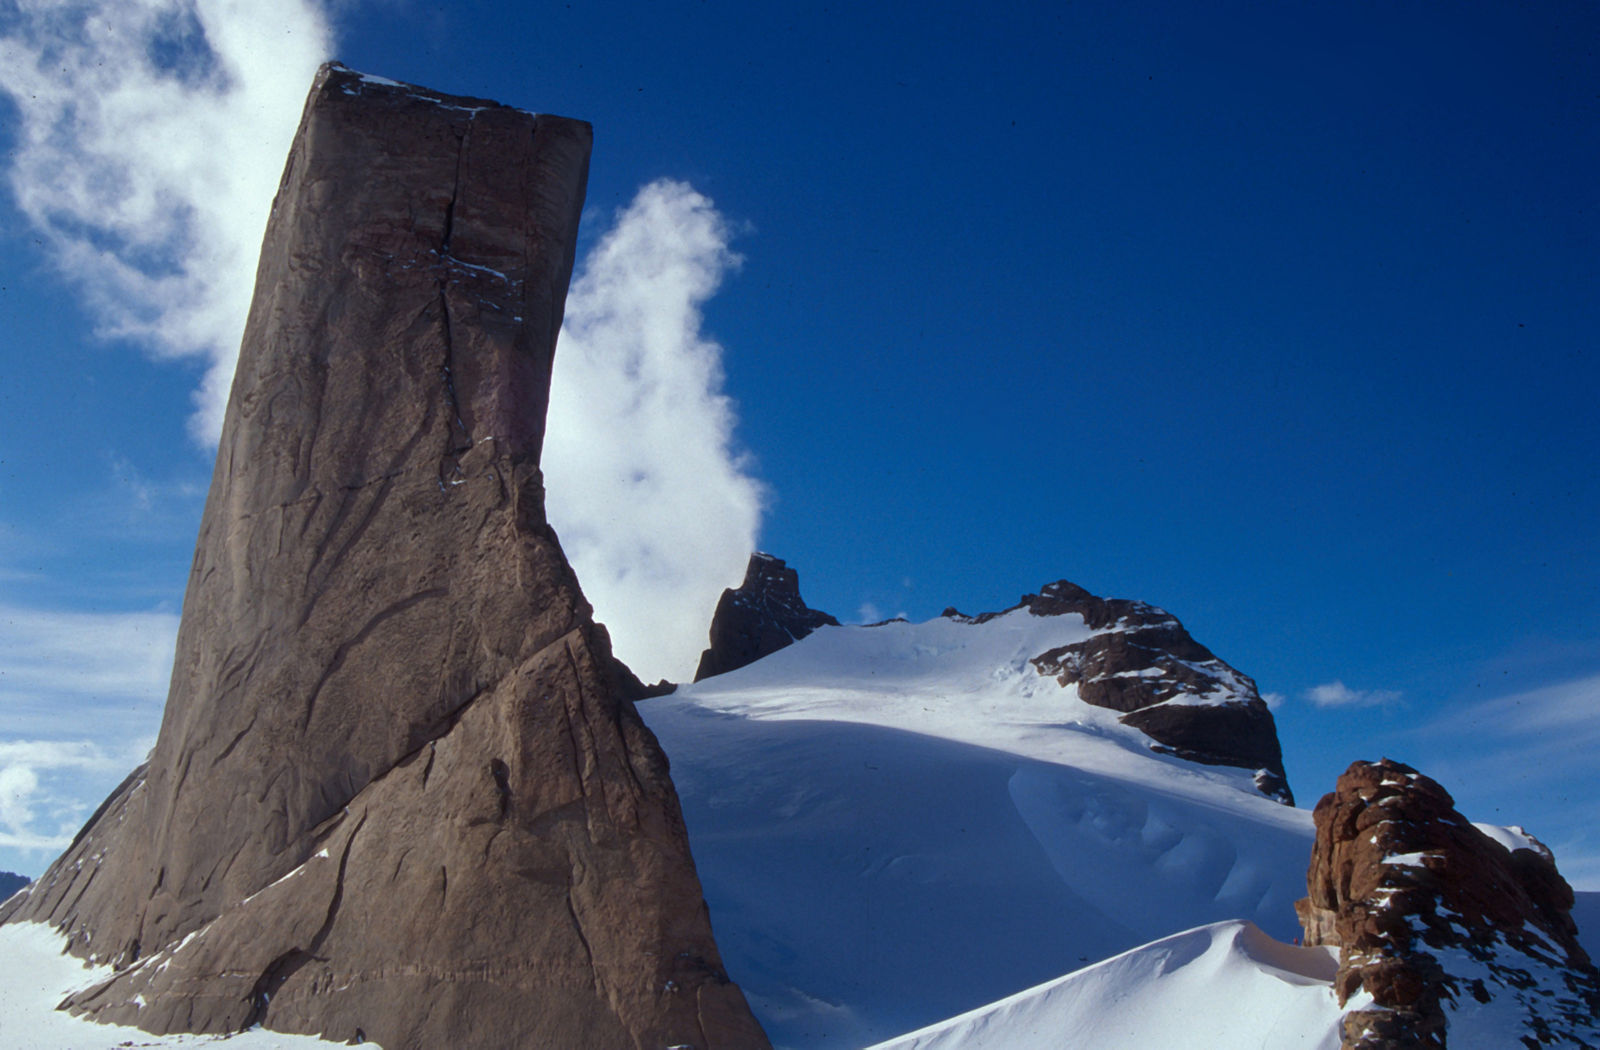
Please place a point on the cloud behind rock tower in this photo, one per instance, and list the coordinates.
(654, 504)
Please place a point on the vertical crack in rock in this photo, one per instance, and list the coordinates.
(450, 472)
(502, 783)
(349, 607)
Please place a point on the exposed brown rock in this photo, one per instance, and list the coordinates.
(1439, 923)
(1142, 662)
(398, 794)
(763, 614)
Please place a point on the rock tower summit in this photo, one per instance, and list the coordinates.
(398, 793)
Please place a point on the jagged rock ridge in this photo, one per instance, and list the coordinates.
(398, 793)
(1141, 661)
(763, 614)
(1445, 934)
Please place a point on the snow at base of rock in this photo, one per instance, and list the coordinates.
(35, 976)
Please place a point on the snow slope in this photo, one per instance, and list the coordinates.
(895, 824)
(35, 976)
(1219, 987)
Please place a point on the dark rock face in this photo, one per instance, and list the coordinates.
(398, 793)
(1441, 925)
(11, 883)
(764, 614)
(1142, 662)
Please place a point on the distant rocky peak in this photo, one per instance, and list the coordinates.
(10, 883)
(1142, 662)
(763, 614)
(1444, 933)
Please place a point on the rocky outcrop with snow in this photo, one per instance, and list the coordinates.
(1142, 662)
(1448, 932)
(759, 617)
(398, 793)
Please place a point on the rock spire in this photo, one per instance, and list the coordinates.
(398, 794)
(763, 614)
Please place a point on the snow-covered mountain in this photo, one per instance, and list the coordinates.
(921, 837)
(898, 823)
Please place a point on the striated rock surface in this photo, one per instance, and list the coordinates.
(1447, 934)
(398, 793)
(1141, 661)
(762, 615)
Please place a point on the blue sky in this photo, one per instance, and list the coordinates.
(1281, 317)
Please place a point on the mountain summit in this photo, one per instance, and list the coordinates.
(398, 794)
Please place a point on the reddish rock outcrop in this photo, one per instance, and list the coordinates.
(398, 793)
(1141, 661)
(763, 614)
(1444, 933)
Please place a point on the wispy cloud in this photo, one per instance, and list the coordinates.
(80, 703)
(63, 674)
(150, 140)
(1337, 694)
(654, 503)
(1273, 700)
(1530, 758)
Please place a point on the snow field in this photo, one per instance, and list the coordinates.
(899, 823)
(1219, 987)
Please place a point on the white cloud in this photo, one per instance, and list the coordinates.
(1337, 694)
(150, 142)
(80, 704)
(653, 503)
(1273, 700)
(39, 807)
